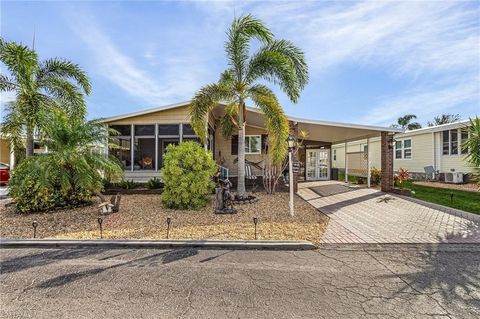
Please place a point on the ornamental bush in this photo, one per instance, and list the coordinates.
(187, 176)
(31, 191)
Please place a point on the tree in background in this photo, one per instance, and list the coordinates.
(71, 172)
(39, 87)
(276, 61)
(472, 144)
(406, 123)
(444, 119)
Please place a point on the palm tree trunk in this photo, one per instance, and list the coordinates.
(29, 142)
(241, 151)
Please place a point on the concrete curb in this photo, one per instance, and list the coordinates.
(161, 244)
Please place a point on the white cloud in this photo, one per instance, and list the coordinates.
(427, 103)
(433, 47)
(178, 80)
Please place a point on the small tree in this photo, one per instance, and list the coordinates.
(187, 175)
(70, 173)
(472, 144)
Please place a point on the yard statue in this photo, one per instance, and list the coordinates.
(223, 198)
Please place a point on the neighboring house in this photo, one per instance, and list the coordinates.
(144, 136)
(438, 146)
(5, 154)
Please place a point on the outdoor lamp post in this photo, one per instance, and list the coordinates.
(291, 144)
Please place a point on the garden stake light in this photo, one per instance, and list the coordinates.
(100, 221)
(451, 198)
(34, 224)
(255, 222)
(168, 225)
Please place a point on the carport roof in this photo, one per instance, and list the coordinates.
(325, 131)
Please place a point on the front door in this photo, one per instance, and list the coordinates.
(317, 164)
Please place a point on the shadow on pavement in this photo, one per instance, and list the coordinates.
(44, 258)
(452, 279)
(165, 257)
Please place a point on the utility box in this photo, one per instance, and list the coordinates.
(334, 174)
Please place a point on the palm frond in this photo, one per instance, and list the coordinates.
(12, 127)
(7, 84)
(242, 30)
(21, 61)
(204, 100)
(228, 122)
(283, 64)
(276, 121)
(60, 68)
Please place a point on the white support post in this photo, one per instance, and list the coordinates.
(290, 182)
(156, 147)
(369, 164)
(132, 146)
(346, 165)
(12, 156)
(205, 145)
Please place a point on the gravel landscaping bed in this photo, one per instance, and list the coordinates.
(143, 217)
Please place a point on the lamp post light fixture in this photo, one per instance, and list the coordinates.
(291, 144)
(34, 225)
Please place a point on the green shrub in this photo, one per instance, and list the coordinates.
(70, 172)
(187, 176)
(31, 192)
(154, 183)
(375, 176)
(127, 184)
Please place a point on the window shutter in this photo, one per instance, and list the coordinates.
(264, 144)
(234, 144)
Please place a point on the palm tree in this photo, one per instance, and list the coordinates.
(406, 123)
(276, 61)
(38, 86)
(473, 143)
(444, 119)
(72, 168)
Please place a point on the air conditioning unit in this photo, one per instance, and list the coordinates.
(454, 177)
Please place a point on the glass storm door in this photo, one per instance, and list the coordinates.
(317, 165)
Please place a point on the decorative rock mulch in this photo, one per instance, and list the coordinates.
(143, 217)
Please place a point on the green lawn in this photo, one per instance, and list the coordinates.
(467, 201)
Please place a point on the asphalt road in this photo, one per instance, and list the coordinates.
(343, 282)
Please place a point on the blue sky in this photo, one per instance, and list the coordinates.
(370, 62)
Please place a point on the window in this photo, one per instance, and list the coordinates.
(144, 130)
(188, 130)
(168, 130)
(464, 138)
(403, 149)
(334, 155)
(452, 142)
(365, 148)
(446, 142)
(123, 130)
(253, 144)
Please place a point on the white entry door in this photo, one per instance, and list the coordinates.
(317, 164)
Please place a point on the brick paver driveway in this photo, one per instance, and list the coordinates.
(364, 215)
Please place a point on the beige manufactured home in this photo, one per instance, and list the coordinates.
(144, 136)
(436, 146)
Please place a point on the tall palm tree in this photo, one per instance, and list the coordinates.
(276, 61)
(406, 123)
(38, 86)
